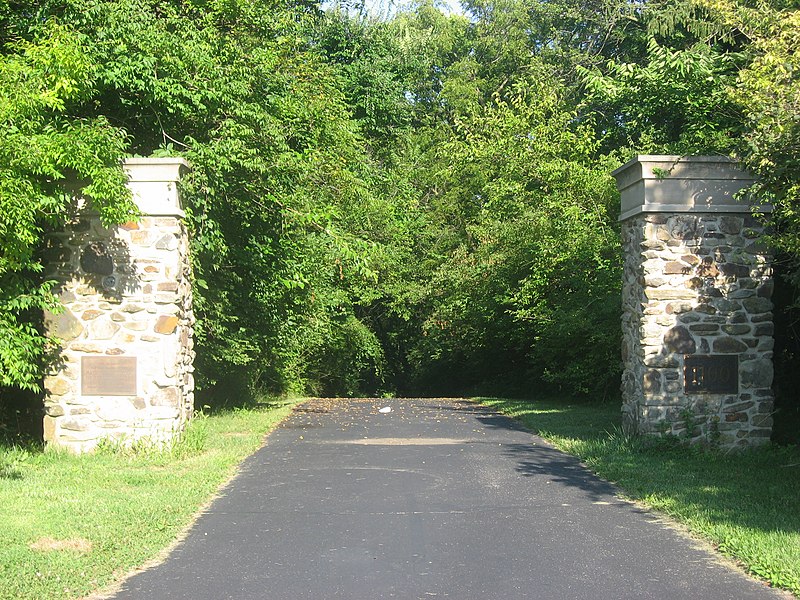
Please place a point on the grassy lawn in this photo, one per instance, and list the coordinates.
(746, 504)
(73, 524)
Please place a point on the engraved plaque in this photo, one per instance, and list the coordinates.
(711, 374)
(108, 376)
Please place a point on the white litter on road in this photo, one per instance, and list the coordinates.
(386, 409)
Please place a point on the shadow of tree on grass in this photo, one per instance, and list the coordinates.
(752, 490)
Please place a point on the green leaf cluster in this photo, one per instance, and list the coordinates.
(44, 145)
(414, 203)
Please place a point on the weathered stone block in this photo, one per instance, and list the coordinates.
(167, 242)
(142, 238)
(678, 308)
(132, 308)
(736, 417)
(765, 407)
(54, 410)
(705, 308)
(765, 345)
(96, 259)
(734, 270)
(756, 373)
(763, 318)
(731, 225)
(763, 329)
(736, 329)
(757, 305)
(738, 407)
(676, 268)
(690, 317)
(57, 386)
(695, 283)
(762, 421)
(760, 433)
(652, 382)
(729, 345)
(166, 324)
(738, 317)
(678, 339)
(669, 294)
(661, 361)
(49, 428)
(63, 326)
(704, 328)
(727, 306)
(766, 289)
(166, 397)
(718, 319)
(76, 424)
(708, 268)
(87, 348)
(103, 329)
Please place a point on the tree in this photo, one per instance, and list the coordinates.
(44, 145)
(768, 90)
(237, 89)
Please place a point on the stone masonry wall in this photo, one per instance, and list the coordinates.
(696, 284)
(126, 293)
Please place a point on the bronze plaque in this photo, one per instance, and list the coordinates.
(711, 374)
(108, 376)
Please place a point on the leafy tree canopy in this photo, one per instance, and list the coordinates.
(415, 203)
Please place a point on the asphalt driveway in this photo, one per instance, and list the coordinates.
(438, 498)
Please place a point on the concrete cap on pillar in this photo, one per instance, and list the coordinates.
(153, 182)
(665, 183)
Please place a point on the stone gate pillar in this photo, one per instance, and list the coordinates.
(697, 321)
(124, 368)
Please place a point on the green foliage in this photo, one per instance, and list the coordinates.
(43, 146)
(529, 278)
(235, 88)
(768, 89)
(409, 203)
(674, 101)
(512, 264)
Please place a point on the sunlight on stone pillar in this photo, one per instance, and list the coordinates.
(697, 286)
(125, 366)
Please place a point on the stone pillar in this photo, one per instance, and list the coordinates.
(697, 320)
(124, 368)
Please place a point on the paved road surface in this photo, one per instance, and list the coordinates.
(437, 499)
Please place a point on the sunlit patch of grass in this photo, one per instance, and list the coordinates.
(745, 503)
(72, 524)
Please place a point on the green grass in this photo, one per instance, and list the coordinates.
(73, 524)
(747, 504)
